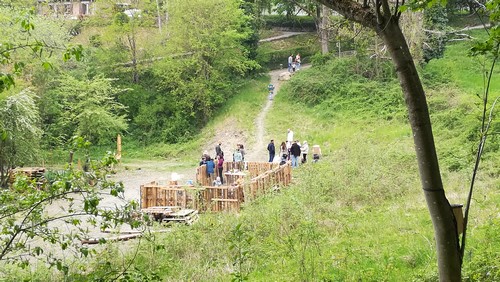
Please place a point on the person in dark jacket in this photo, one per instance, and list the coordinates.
(210, 167)
(295, 154)
(218, 150)
(272, 151)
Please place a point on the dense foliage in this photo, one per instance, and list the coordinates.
(20, 132)
(86, 108)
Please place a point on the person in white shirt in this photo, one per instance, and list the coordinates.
(289, 136)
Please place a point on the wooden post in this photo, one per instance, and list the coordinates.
(118, 155)
(459, 217)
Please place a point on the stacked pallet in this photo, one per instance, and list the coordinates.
(166, 214)
(32, 173)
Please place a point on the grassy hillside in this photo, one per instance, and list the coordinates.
(358, 214)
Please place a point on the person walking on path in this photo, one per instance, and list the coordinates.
(297, 61)
(270, 87)
(305, 150)
(290, 61)
(272, 150)
(295, 152)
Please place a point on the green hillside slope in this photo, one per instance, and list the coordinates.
(358, 214)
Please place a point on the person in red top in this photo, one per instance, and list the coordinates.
(220, 166)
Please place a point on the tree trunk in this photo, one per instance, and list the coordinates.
(439, 208)
(325, 16)
(387, 27)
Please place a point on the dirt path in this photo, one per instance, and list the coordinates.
(286, 34)
(259, 151)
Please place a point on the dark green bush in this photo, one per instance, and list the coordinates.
(349, 84)
(299, 23)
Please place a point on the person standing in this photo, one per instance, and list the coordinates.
(305, 150)
(238, 159)
(283, 153)
(218, 150)
(295, 152)
(297, 61)
(242, 151)
(272, 150)
(210, 167)
(289, 136)
(290, 61)
(220, 167)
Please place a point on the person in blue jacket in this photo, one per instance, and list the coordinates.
(210, 167)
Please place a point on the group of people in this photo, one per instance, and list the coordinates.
(213, 163)
(293, 63)
(289, 150)
(292, 150)
(218, 162)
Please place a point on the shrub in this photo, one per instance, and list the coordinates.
(302, 23)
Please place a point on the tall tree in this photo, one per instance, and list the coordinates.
(383, 17)
(87, 108)
(208, 54)
(19, 132)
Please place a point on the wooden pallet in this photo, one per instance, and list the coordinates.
(166, 214)
(186, 216)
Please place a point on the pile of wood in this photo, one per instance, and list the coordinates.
(167, 214)
(32, 173)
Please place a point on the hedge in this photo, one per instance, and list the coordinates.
(297, 23)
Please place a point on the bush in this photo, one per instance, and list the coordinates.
(298, 23)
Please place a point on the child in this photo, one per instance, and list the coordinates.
(217, 182)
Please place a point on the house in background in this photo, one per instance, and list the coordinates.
(66, 8)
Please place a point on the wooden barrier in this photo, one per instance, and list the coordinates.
(207, 198)
(257, 179)
(253, 169)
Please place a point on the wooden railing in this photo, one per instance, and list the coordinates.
(252, 169)
(207, 198)
(259, 178)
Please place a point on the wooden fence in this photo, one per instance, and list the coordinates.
(259, 178)
(205, 198)
(251, 169)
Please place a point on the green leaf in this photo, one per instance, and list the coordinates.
(47, 65)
